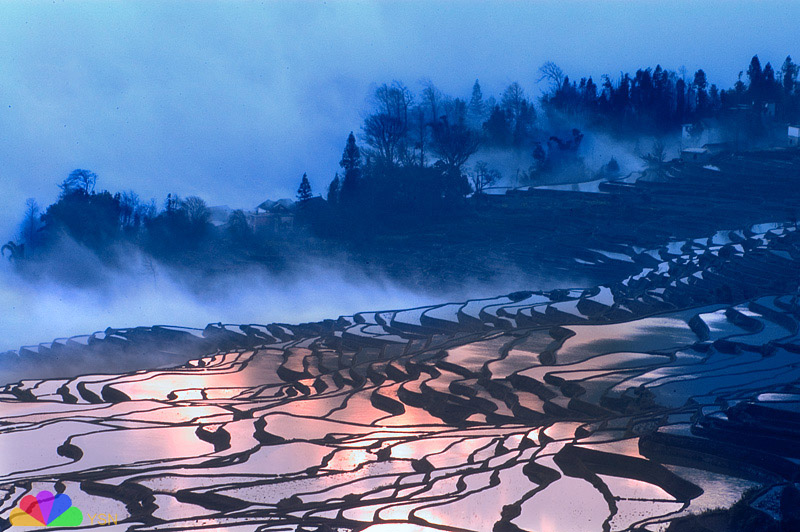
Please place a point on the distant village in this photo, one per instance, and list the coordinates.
(278, 216)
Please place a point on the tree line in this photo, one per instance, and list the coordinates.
(416, 147)
(413, 159)
(101, 221)
(659, 99)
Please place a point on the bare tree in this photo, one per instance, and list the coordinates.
(146, 211)
(385, 131)
(482, 177)
(455, 110)
(149, 265)
(420, 129)
(384, 134)
(656, 159)
(79, 181)
(394, 100)
(454, 144)
(512, 100)
(196, 211)
(129, 205)
(31, 224)
(553, 74)
(432, 98)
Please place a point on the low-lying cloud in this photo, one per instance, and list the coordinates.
(41, 310)
(92, 296)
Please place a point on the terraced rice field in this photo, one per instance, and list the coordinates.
(608, 408)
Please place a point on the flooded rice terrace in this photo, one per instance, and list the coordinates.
(611, 408)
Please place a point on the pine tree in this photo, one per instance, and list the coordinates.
(477, 107)
(351, 157)
(589, 93)
(304, 191)
(497, 128)
(351, 164)
(789, 71)
(756, 77)
(700, 84)
(680, 101)
(511, 102)
(771, 88)
(714, 98)
(333, 190)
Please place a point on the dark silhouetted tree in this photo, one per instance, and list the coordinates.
(238, 229)
(519, 112)
(756, 76)
(183, 225)
(551, 73)
(772, 88)
(589, 94)
(523, 127)
(620, 101)
(454, 143)
(196, 211)
(656, 159)
(476, 110)
(482, 176)
(496, 127)
(680, 101)
(384, 134)
(90, 219)
(304, 190)
(788, 76)
(700, 86)
(333, 190)
(172, 204)
(790, 108)
(419, 126)
(351, 164)
(432, 97)
(714, 99)
(385, 130)
(130, 209)
(31, 226)
(79, 181)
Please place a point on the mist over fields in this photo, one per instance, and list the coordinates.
(44, 309)
(93, 295)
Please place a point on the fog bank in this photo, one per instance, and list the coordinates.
(147, 294)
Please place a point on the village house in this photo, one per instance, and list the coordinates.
(793, 134)
(272, 216)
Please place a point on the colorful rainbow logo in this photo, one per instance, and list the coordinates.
(46, 509)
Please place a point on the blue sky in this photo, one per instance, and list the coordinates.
(234, 101)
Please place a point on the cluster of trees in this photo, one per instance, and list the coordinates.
(415, 153)
(102, 220)
(417, 148)
(414, 161)
(659, 99)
